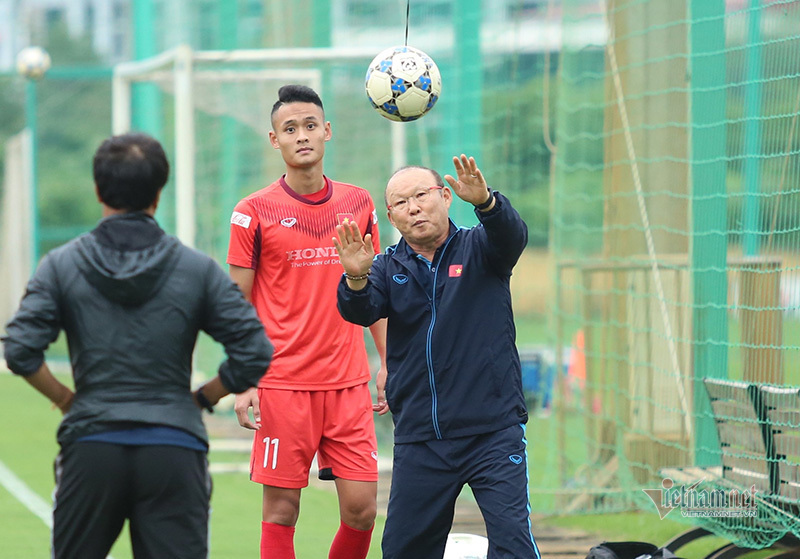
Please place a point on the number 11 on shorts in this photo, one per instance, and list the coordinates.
(274, 443)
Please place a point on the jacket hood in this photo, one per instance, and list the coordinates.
(127, 258)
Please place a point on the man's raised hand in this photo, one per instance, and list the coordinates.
(355, 253)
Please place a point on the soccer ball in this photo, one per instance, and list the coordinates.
(33, 62)
(403, 83)
(466, 546)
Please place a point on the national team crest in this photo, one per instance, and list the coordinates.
(345, 219)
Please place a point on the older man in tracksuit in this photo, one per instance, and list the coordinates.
(454, 384)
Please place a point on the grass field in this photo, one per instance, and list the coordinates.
(28, 447)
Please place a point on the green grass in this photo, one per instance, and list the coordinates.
(28, 447)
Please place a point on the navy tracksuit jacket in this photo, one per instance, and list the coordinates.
(453, 367)
(454, 385)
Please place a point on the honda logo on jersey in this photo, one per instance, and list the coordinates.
(345, 219)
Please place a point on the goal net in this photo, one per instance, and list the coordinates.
(211, 110)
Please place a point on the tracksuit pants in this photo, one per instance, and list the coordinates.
(163, 491)
(427, 478)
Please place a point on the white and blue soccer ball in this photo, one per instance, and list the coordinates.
(33, 62)
(466, 546)
(403, 83)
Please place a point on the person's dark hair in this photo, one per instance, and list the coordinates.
(129, 171)
(294, 93)
(437, 178)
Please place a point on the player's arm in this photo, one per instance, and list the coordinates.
(378, 331)
(50, 387)
(244, 278)
(232, 321)
(33, 328)
(506, 232)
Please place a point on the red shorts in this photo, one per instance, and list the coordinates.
(336, 425)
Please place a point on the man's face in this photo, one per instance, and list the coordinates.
(299, 131)
(422, 223)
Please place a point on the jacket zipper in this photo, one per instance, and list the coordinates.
(429, 349)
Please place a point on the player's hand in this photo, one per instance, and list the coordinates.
(470, 185)
(355, 253)
(382, 406)
(244, 402)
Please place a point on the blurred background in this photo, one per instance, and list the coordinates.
(651, 146)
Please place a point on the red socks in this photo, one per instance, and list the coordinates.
(277, 542)
(350, 543)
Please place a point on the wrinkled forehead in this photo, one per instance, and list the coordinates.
(407, 182)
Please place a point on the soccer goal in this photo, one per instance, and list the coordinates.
(212, 112)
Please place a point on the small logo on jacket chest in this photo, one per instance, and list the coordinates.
(455, 270)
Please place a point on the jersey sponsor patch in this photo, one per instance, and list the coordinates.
(288, 221)
(240, 219)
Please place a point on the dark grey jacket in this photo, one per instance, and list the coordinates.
(132, 301)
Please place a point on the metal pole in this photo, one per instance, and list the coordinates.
(321, 38)
(120, 104)
(752, 134)
(227, 19)
(31, 117)
(709, 211)
(184, 147)
(467, 91)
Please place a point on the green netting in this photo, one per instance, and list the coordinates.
(675, 238)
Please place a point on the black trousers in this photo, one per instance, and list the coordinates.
(163, 491)
(427, 477)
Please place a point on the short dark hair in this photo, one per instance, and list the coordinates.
(294, 93)
(129, 171)
(437, 178)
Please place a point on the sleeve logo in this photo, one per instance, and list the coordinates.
(240, 219)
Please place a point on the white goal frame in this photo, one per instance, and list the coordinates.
(18, 221)
(178, 64)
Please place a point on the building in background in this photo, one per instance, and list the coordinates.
(107, 23)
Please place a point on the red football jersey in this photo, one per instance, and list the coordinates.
(286, 239)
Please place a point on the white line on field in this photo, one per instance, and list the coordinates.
(25, 495)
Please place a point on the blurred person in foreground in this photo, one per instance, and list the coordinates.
(315, 398)
(454, 383)
(132, 301)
